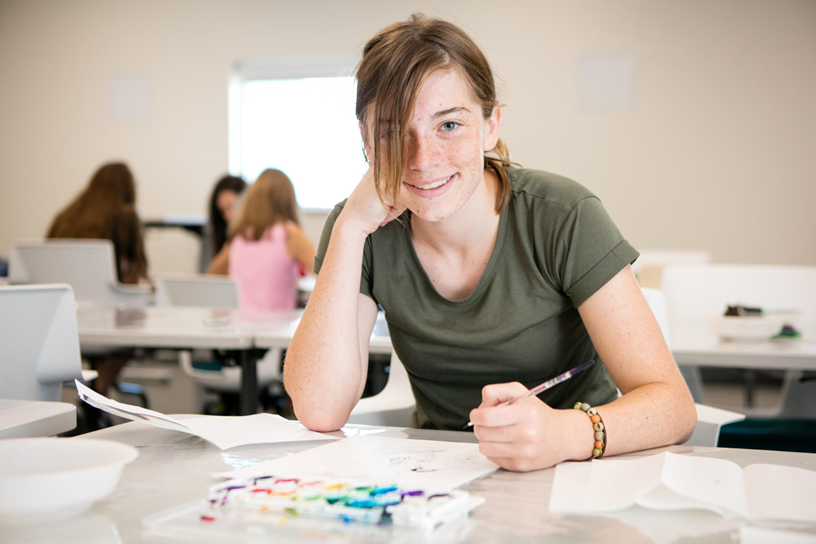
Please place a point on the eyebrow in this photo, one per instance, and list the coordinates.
(442, 113)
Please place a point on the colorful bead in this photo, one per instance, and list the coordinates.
(599, 445)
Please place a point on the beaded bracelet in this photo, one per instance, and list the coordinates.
(597, 424)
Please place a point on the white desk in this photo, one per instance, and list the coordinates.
(173, 328)
(24, 419)
(174, 468)
(694, 345)
(269, 334)
(202, 328)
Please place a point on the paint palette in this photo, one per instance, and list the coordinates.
(280, 499)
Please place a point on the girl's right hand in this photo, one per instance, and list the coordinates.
(364, 209)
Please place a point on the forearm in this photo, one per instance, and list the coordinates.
(220, 263)
(323, 371)
(651, 416)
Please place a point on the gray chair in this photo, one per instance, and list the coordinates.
(40, 345)
(88, 266)
(709, 419)
(196, 290)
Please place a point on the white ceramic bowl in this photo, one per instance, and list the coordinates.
(47, 479)
(746, 328)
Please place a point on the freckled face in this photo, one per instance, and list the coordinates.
(225, 202)
(447, 137)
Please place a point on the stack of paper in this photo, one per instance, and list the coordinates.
(679, 482)
(223, 431)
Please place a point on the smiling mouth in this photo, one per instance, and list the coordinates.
(435, 184)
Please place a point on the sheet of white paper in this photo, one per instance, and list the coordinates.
(678, 482)
(421, 464)
(716, 482)
(223, 431)
(128, 411)
(615, 484)
(761, 535)
(569, 483)
(229, 432)
(783, 493)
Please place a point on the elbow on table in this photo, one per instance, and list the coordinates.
(687, 420)
(321, 421)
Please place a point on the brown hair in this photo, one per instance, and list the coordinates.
(217, 222)
(105, 209)
(270, 200)
(395, 64)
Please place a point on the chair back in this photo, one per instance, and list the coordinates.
(709, 419)
(40, 344)
(649, 266)
(88, 266)
(657, 303)
(197, 290)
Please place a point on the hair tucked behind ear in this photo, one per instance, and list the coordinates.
(395, 64)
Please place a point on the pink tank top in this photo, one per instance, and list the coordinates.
(265, 272)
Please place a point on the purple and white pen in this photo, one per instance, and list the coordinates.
(548, 384)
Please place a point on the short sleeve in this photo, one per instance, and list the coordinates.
(591, 250)
(366, 284)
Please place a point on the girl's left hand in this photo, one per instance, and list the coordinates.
(528, 435)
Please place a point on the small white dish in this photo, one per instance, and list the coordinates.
(50, 479)
(752, 328)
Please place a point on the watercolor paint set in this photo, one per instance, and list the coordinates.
(347, 502)
(265, 508)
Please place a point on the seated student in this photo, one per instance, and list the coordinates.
(266, 246)
(493, 278)
(105, 209)
(223, 202)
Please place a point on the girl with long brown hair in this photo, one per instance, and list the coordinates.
(493, 278)
(106, 209)
(266, 246)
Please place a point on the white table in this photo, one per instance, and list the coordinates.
(269, 334)
(695, 345)
(104, 327)
(184, 328)
(174, 468)
(23, 418)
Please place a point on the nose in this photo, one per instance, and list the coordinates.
(423, 152)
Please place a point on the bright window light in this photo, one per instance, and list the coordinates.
(305, 127)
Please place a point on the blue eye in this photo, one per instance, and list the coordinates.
(449, 126)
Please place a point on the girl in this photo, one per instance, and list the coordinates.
(266, 245)
(490, 274)
(106, 209)
(222, 206)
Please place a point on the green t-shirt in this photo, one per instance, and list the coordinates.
(556, 246)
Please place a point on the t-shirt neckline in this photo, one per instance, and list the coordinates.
(487, 275)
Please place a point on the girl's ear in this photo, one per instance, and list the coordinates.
(492, 125)
(364, 136)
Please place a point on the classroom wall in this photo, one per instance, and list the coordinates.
(715, 150)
